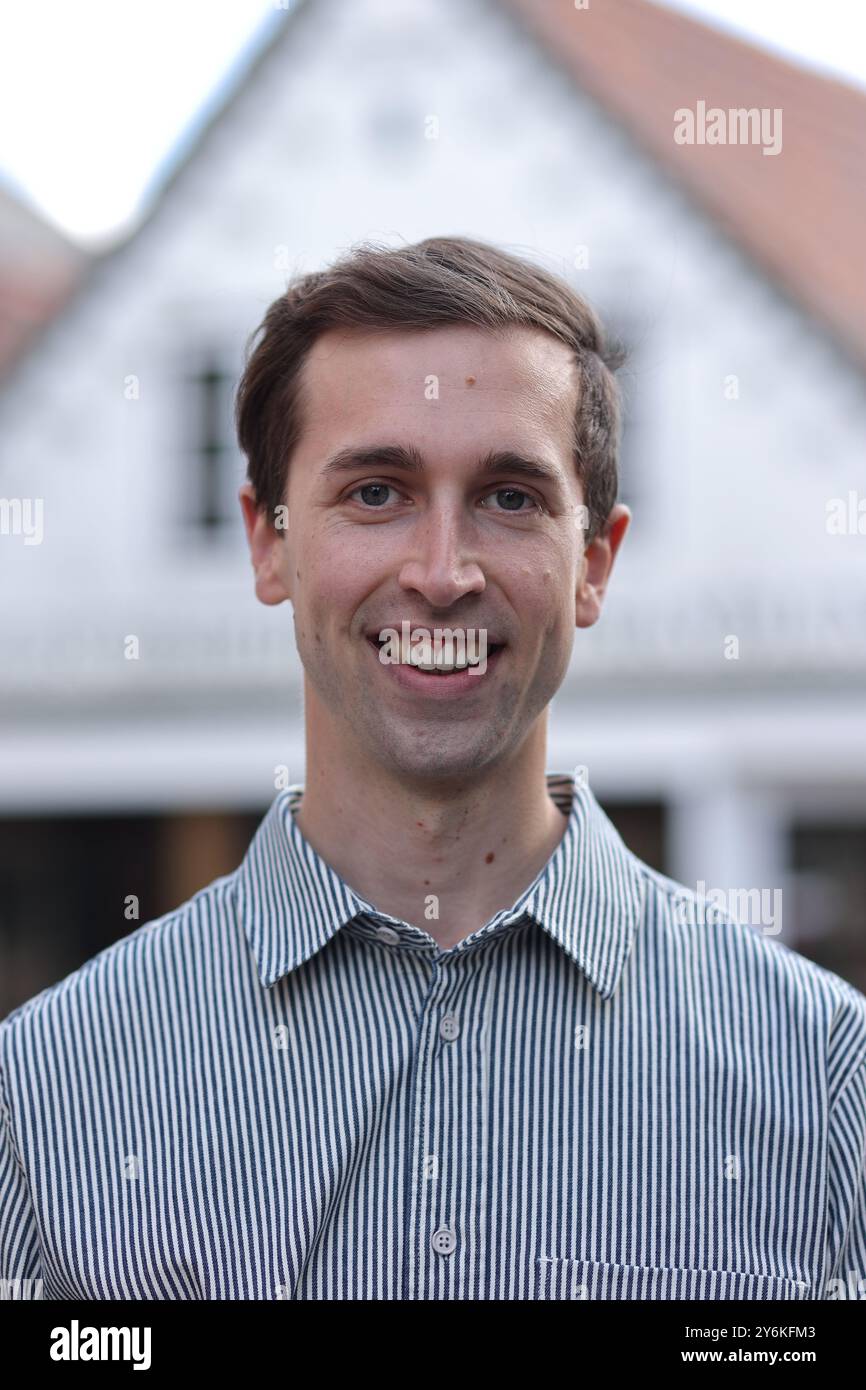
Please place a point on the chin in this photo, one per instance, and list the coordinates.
(424, 758)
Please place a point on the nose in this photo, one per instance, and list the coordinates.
(441, 567)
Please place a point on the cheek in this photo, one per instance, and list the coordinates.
(331, 586)
(540, 594)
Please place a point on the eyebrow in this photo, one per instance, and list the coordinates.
(495, 463)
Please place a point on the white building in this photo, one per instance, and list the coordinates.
(725, 685)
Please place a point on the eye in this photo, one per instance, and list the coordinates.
(377, 489)
(512, 494)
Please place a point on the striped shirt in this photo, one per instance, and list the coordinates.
(278, 1091)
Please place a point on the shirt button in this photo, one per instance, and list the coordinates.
(449, 1028)
(444, 1240)
(388, 935)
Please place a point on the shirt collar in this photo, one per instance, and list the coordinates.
(588, 897)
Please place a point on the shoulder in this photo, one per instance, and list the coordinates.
(733, 943)
(136, 972)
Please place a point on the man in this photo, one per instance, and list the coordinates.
(442, 1035)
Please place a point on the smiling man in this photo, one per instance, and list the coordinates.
(441, 1035)
(433, 482)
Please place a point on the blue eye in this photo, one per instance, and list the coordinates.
(372, 487)
(513, 492)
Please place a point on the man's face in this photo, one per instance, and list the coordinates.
(370, 544)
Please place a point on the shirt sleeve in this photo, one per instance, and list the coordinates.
(846, 1162)
(20, 1260)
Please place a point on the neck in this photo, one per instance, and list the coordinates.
(473, 843)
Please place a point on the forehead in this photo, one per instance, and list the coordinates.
(520, 382)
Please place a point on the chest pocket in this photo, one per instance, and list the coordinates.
(585, 1279)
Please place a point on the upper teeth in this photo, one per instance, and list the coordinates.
(444, 666)
(439, 664)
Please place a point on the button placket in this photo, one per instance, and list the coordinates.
(430, 1209)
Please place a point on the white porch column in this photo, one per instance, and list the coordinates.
(728, 836)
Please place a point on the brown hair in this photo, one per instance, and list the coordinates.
(443, 280)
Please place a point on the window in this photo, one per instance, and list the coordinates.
(216, 465)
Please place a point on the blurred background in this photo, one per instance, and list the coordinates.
(162, 176)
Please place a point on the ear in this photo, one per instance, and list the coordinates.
(597, 564)
(268, 549)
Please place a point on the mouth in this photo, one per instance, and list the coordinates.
(440, 679)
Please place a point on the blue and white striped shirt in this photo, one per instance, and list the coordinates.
(277, 1091)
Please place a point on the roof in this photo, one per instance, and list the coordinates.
(39, 270)
(801, 213)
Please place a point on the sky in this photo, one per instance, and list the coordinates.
(96, 98)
